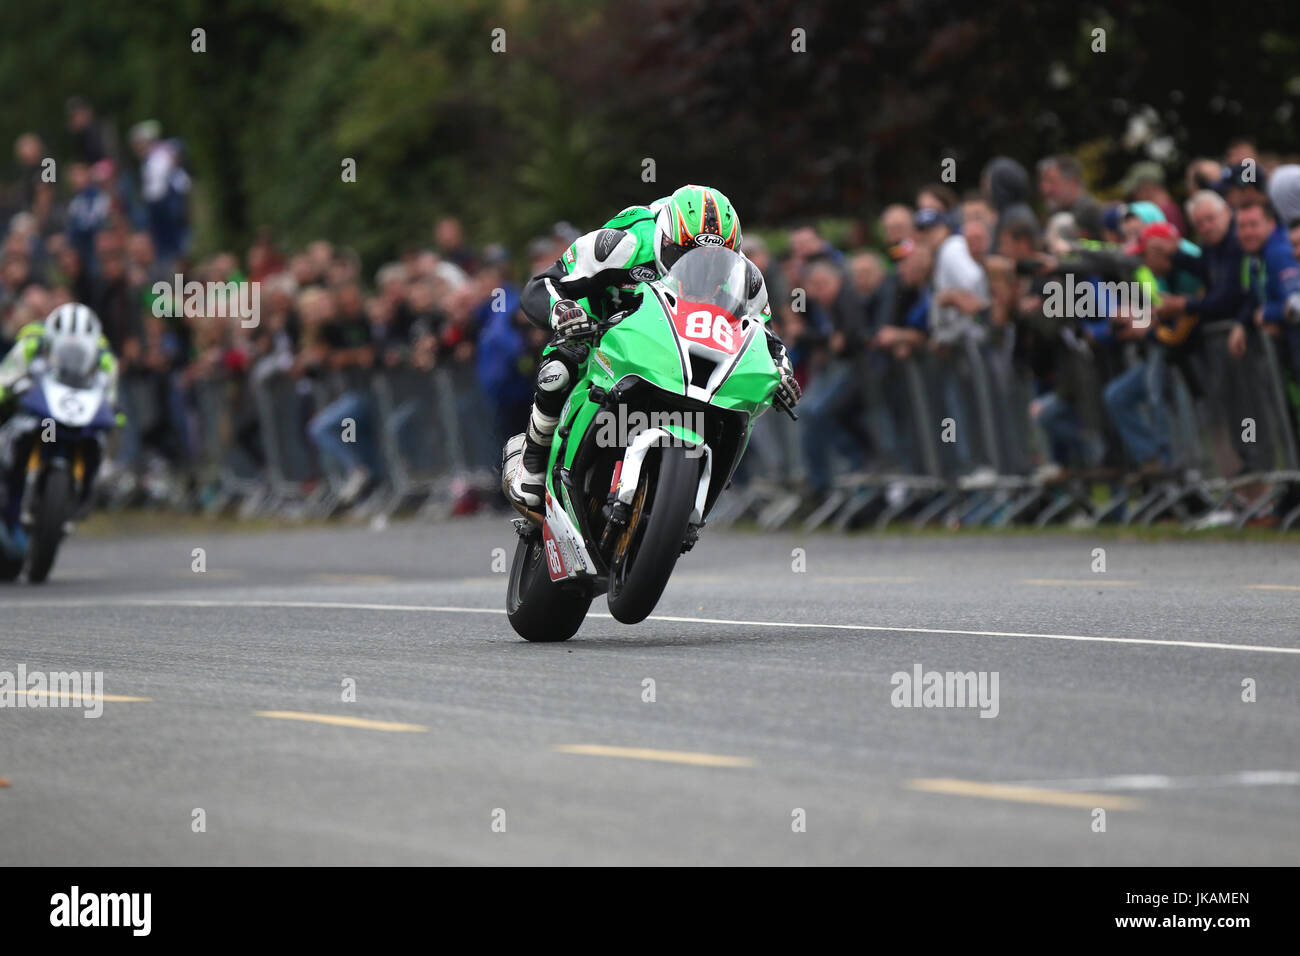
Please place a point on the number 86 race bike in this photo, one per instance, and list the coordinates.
(660, 416)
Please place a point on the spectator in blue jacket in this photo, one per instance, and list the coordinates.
(1271, 277)
(88, 212)
(503, 352)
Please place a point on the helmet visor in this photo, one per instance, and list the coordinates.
(73, 361)
(710, 275)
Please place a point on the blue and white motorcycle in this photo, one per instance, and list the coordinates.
(60, 426)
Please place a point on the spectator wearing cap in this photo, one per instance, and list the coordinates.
(1284, 194)
(1112, 223)
(1146, 438)
(1139, 215)
(1060, 183)
(959, 288)
(1245, 180)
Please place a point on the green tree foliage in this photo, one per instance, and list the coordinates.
(558, 126)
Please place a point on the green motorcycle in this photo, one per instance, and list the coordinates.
(655, 425)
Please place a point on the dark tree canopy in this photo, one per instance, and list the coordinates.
(558, 126)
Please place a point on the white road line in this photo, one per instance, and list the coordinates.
(1155, 781)
(790, 625)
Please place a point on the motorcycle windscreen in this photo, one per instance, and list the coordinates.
(73, 363)
(710, 275)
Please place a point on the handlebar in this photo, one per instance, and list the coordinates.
(589, 337)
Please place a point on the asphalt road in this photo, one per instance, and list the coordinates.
(1119, 690)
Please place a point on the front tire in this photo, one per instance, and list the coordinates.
(54, 509)
(641, 574)
(541, 609)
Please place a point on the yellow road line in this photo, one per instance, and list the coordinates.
(662, 756)
(108, 698)
(1018, 794)
(1273, 587)
(339, 721)
(868, 580)
(1077, 582)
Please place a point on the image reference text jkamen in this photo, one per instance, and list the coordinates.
(1212, 898)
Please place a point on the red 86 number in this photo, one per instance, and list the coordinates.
(705, 326)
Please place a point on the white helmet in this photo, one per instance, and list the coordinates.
(72, 332)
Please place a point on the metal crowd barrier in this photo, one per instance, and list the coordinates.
(228, 470)
(418, 434)
(253, 449)
(986, 476)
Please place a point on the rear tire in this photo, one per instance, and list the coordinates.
(541, 609)
(636, 586)
(53, 510)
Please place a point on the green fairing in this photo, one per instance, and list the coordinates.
(643, 345)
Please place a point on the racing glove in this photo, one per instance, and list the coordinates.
(571, 320)
(788, 391)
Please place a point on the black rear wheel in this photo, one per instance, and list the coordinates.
(52, 511)
(541, 609)
(645, 558)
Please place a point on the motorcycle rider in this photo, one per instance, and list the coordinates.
(71, 343)
(592, 281)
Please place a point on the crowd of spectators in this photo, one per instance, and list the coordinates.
(988, 270)
(934, 278)
(103, 229)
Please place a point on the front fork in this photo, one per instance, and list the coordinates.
(46, 455)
